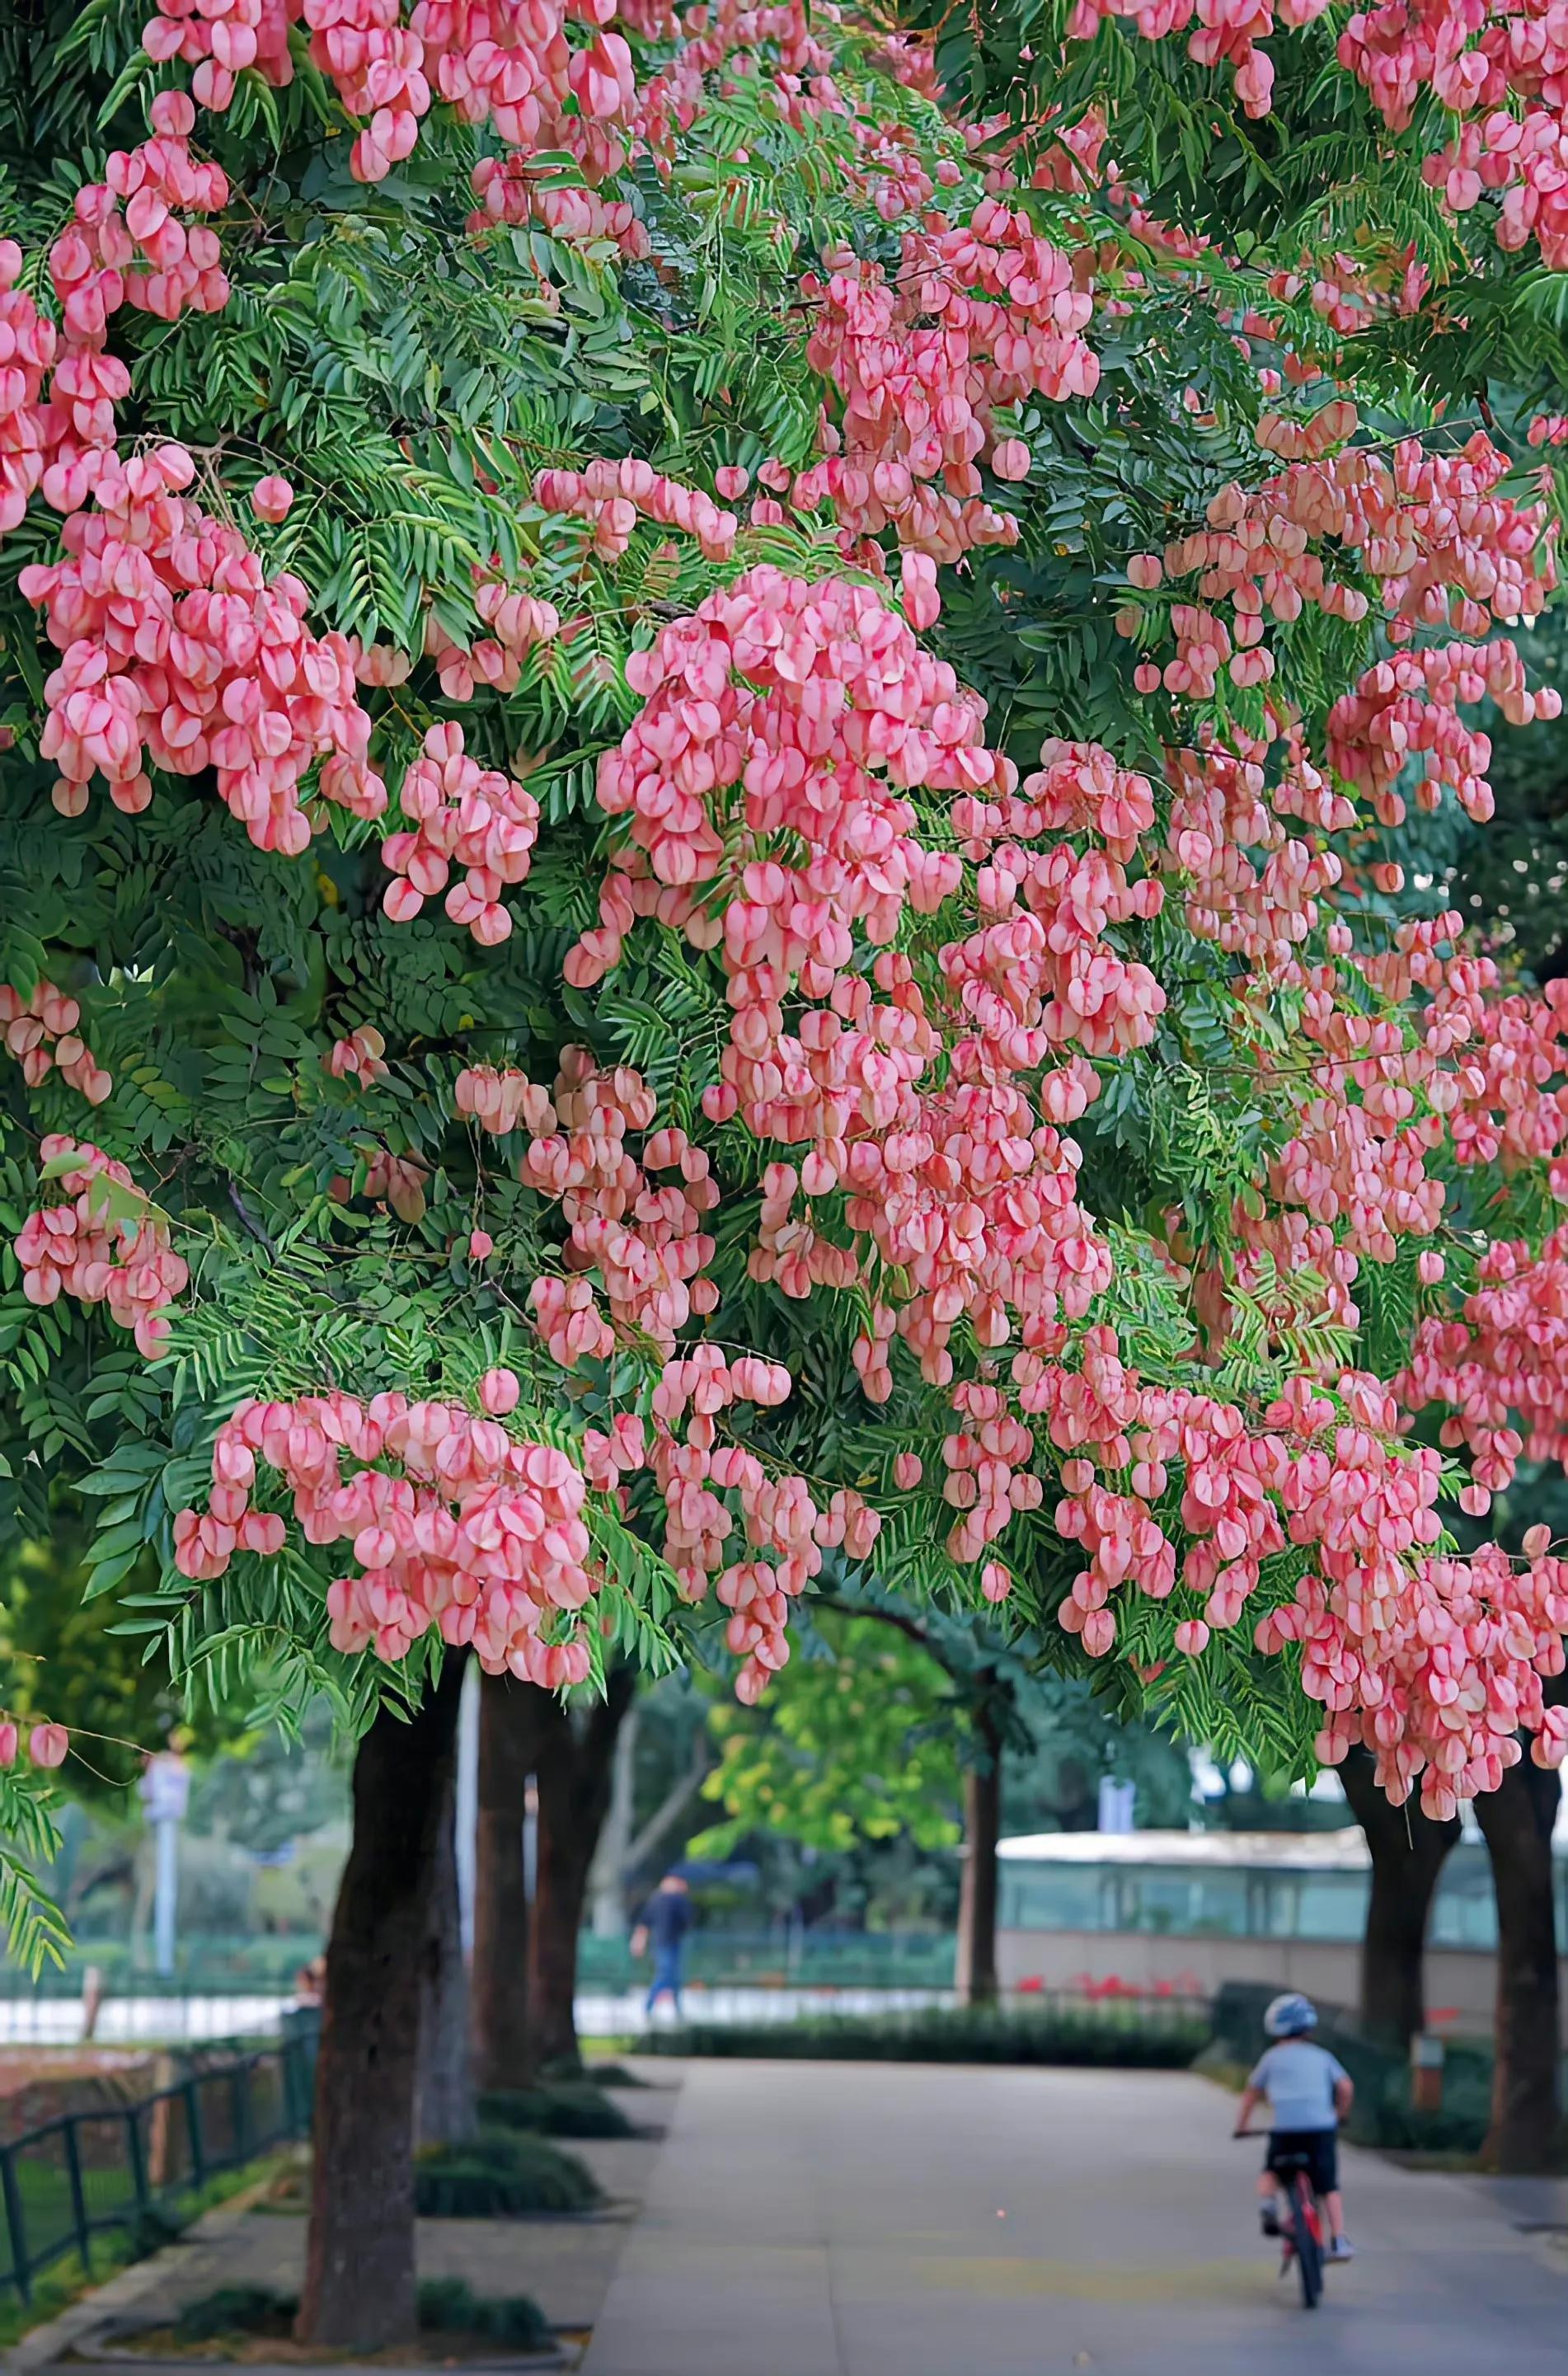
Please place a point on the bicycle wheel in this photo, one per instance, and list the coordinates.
(1308, 2241)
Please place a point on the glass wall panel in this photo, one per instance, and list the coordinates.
(1332, 1905)
(1160, 1901)
(1464, 1912)
(1055, 1897)
(1242, 1902)
(1221, 1904)
(1271, 1905)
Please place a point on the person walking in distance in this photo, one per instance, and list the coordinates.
(664, 1923)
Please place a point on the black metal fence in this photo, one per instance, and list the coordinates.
(133, 2167)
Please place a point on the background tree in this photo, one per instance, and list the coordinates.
(858, 1743)
(1407, 1850)
(662, 1755)
(575, 1764)
(508, 1739)
(922, 1729)
(446, 2111)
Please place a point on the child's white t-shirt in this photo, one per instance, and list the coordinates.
(1299, 2079)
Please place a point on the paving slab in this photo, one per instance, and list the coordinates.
(840, 2220)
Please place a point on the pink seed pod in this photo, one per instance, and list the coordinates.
(271, 499)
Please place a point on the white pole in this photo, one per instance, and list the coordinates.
(467, 1812)
(165, 1793)
(165, 1903)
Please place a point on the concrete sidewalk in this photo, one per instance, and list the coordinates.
(840, 2220)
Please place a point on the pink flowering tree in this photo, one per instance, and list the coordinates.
(702, 869)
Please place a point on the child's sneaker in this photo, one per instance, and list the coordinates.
(1342, 2248)
(1269, 2212)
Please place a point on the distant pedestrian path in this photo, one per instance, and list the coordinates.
(841, 2219)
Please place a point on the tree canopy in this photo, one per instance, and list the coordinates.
(712, 714)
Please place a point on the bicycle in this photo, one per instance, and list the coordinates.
(1301, 2233)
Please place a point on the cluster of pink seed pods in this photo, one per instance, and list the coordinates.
(465, 815)
(42, 1030)
(89, 1247)
(981, 317)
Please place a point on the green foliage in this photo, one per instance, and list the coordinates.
(64, 1659)
(1113, 2037)
(235, 2310)
(446, 2306)
(865, 1736)
(35, 1933)
(609, 2074)
(500, 2174)
(450, 2306)
(855, 1744)
(559, 2108)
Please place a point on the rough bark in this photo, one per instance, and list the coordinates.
(1408, 1852)
(573, 1768)
(1527, 2106)
(976, 1972)
(359, 2284)
(508, 1727)
(446, 2113)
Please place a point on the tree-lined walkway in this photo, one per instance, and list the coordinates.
(828, 2219)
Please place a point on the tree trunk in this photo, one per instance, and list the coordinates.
(445, 2113)
(359, 2285)
(976, 1973)
(1408, 1852)
(1526, 2109)
(507, 1736)
(607, 1875)
(573, 1771)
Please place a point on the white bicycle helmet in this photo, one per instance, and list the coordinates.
(1291, 2015)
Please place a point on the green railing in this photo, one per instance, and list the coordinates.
(754, 1958)
(132, 2168)
(780, 1958)
(205, 1965)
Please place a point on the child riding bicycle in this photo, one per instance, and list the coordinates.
(1309, 2094)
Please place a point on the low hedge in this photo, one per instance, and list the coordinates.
(446, 2306)
(560, 2107)
(501, 2174)
(1112, 2040)
(450, 2306)
(614, 2074)
(574, 2067)
(235, 2309)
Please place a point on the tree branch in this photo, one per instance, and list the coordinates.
(916, 1632)
(675, 1800)
(249, 1220)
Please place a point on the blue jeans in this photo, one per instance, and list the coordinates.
(666, 1979)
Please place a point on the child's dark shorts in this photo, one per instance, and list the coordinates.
(1321, 2147)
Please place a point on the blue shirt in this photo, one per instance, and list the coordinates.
(1298, 2080)
(668, 1917)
